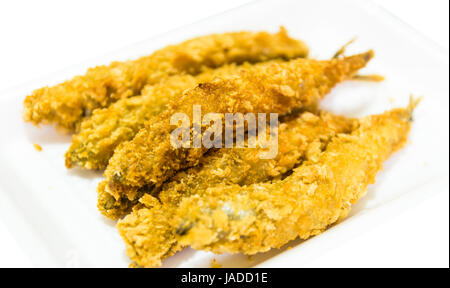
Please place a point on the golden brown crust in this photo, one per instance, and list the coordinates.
(259, 217)
(150, 159)
(100, 134)
(147, 231)
(64, 105)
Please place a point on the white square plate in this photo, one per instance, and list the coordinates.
(52, 211)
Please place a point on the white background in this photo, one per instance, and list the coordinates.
(40, 37)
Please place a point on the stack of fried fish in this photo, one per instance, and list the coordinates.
(220, 200)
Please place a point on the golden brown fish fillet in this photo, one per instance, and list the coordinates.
(259, 217)
(100, 134)
(64, 105)
(150, 159)
(148, 233)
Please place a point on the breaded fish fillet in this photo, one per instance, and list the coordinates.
(148, 233)
(150, 159)
(64, 105)
(321, 191)
(101, 133)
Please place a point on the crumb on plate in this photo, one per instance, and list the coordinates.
(215, 264)
(37, 147)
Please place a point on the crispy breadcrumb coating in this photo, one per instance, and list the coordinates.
(150, 159)
(294, 138)
(148, 233)
(64, 105)
(101, 133)
(259, 217)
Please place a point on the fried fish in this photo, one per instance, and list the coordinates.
(321, 191)
(148, 231)
(150, 159)
(64, 105)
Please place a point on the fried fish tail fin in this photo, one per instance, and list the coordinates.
(357, 62)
